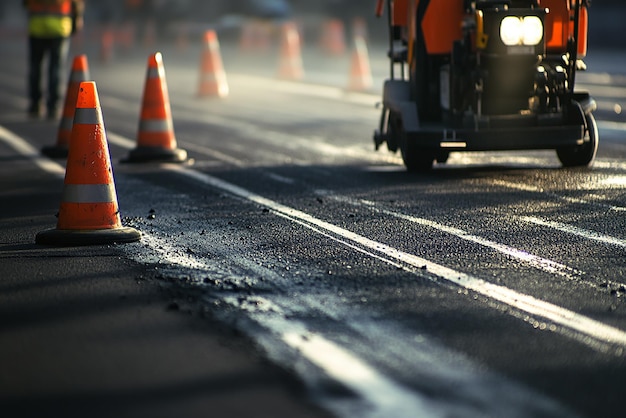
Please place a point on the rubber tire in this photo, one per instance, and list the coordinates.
(416, 159)
(581, 155)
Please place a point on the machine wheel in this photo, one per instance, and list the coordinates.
(416, 159)
(581, 155)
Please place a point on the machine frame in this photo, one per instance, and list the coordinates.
(461, 79)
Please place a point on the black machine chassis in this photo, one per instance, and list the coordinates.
(423, 142)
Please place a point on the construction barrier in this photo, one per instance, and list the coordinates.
(212, 75)
(89, 212)
(78, 74)
(155, 138)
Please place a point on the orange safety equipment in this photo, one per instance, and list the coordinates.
(89, 212)
(156, 140)
(79, 73)
(51, 18)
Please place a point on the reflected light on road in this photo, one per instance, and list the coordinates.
(617, 108)
(619, 181)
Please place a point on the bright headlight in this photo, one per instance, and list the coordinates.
(532, 29)
(511, 30)
(521, 30)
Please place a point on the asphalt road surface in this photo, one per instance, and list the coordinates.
(493, 286)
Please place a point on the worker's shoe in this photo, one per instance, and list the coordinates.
(53, 113)
(34, 111)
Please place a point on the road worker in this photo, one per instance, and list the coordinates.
(50, 25)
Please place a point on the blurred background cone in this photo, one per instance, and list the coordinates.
(155, 139)
(78, 74)
(107, 43)
(255, 36)
(89, 212)
(290, 63)
(212, 75)
(360, 71)
(332, 40)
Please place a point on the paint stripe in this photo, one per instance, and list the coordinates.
(89, 193)
(586, 327)
(384, 397)
(584, 233)
(87, 116)
(568, 199)
(25, 149)
(544, 264)
(589, 331)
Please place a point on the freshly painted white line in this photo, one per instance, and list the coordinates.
(586, 327)
(382, 396)
(120, 141)
(388, 399)
(24, 148)
(584, 233)
(544, 264)
(568, 199)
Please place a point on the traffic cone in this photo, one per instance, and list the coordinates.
(155, 138)
(359, 28)
(360, 72)
(126, 36)
(182, 37)
(333, 37)
(212, 76)
(290, 63)
(79, 73)
(89, 212)
(107, 43)
(254, 37)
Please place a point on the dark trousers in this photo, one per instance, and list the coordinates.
(56, 49)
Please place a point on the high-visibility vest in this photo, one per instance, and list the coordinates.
(49, 18)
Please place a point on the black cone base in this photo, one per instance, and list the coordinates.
(156, 154)
(70, 237)
(55, 151)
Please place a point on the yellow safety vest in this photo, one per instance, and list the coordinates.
(49, 18)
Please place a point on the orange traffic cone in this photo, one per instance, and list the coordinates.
(360, 73)
(333, 37)
(107, 42)
(212, 76)
(79, 73)
(290, 63)
(89, 212)
(359, 28)
(155, 138)
(126, 36)
(254, 37)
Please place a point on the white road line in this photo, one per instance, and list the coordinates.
(383, 396)
(584, 233)
(574, 200)
(27, 150)
(586, 327)
(544, 264)
(590, 331)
